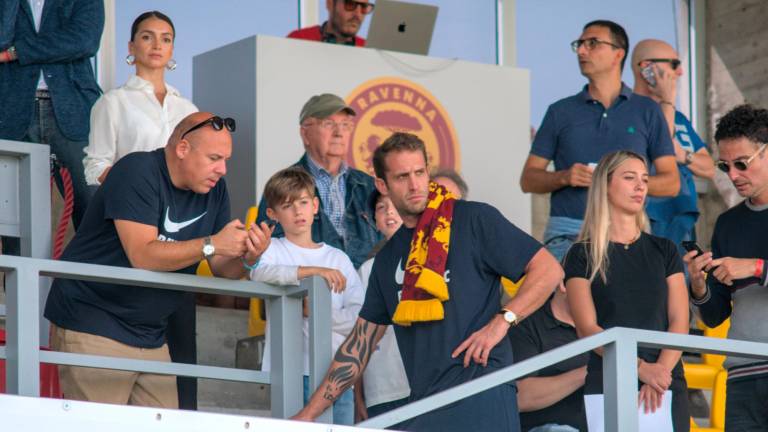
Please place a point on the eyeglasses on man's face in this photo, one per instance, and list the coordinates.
(216, 122)
(740, 165)
(327, 124)
(365, 8)
(673, 62)
(590, 44)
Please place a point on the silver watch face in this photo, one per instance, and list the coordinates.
(510, 317)
(208, 250)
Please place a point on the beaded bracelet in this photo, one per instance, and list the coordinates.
(250, 267)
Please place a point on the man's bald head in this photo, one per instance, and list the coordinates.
(186, 124)
(650, 49)
(197, 159)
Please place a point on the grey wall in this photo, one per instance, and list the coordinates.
(737, 72)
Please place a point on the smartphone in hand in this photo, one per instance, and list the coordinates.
(691, 246)
(649, 75)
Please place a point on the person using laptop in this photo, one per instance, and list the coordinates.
(345, 17)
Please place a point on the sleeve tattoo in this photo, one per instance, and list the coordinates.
(351, 357)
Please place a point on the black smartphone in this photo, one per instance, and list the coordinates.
(692, 246)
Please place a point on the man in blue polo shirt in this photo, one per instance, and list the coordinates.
(578, 130)
(673, 218)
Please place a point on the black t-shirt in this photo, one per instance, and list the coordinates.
(139, 189)
(483, 246)
(537, 334)
(636, 295)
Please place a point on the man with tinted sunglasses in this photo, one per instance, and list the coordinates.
(163, 210)
(345, 17)
(578, 130)
(737, 286)
(656, 68)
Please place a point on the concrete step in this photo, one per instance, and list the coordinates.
(218, 331)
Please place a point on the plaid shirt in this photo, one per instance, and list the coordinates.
(332, 191)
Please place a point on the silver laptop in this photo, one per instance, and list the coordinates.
(401, 26)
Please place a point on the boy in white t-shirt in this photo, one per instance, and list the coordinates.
(384, 383)
(291, 201)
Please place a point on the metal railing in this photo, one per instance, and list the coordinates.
(23, 355)
(619, 372)
(25, 209)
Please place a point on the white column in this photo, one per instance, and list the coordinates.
(698, 65)
(506, 48)
(308, 12)
(105, 75)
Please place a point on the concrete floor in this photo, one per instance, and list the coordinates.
(218, 331)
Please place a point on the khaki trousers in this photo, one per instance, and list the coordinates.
(113, 386)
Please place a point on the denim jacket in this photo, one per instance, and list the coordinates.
(362, 234)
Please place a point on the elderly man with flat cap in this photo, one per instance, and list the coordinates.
(345, 220)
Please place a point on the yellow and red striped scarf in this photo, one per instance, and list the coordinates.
(424, 288)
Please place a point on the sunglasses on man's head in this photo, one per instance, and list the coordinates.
(740, 165)
(673, 62)
(365, 8)
(216, 122)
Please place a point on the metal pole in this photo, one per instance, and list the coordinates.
(286, 357)
(23, 337)
(319, 336)
(34, 207)
(620, 385)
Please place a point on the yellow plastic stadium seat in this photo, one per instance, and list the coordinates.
(203, 269)
(257, 323)
(710, 375)
(702, 375)
(717, 409)
(511, 287)
(717, 414)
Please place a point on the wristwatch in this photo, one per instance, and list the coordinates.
(509, 316)
(688, 157)
(208, 249)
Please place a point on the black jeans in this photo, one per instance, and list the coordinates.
(746, 405)
(182, 345)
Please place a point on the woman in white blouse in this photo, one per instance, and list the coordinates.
(140, 115)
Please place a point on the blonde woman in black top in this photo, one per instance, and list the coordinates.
(617, 275)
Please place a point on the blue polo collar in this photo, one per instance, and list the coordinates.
(626, 93)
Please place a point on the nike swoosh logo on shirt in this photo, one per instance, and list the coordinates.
(173, 227)
(399, 273)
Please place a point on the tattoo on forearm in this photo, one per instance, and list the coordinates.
(352, 357)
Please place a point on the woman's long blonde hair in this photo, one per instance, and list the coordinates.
(595, 231)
